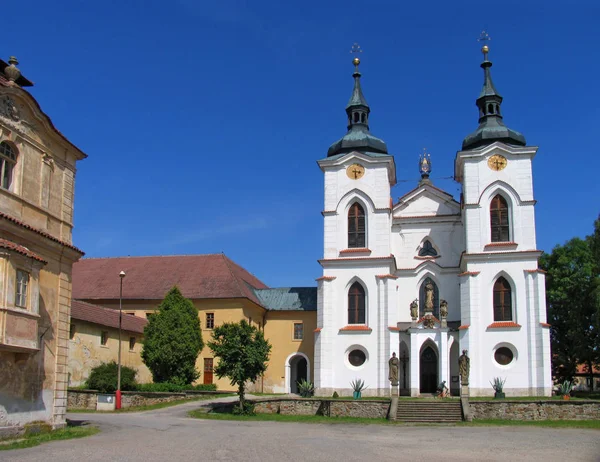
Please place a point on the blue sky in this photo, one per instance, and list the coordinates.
(203, 120)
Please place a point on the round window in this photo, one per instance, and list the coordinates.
(503, 356)
(357, 358)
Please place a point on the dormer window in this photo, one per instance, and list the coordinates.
(427, 250)
(8, 160)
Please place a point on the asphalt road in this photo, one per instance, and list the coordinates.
(168, 435)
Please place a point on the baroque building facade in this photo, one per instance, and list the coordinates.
(429, 277)
(37, 178)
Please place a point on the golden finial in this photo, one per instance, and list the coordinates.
(356, 49)
(484, 37)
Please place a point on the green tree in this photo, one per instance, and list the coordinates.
(173, 340)
(243, 353)
(573, 304)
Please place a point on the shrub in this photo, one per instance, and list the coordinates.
(246, 409)
(335, 395)
(166, 387)
(104, 378)
(358, 385)
(306, 389)
(565, 388)
(498, 384)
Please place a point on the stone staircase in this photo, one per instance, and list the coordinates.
(429, 411)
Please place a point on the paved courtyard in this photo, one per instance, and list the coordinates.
(168, 435)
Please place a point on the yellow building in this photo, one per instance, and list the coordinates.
(94, 339)
(37, 175)
(222, 291)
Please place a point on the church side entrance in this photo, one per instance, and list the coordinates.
(298, 372)
(429, 371)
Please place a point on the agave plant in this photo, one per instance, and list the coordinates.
(498, 384)
(306, 388)
(565, 388)
(358, 385)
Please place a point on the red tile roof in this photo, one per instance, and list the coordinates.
(82, 311)
(356, 328)
(6, 244)
(150, 278)
(582, 369)
(41, 233)
(503, 324)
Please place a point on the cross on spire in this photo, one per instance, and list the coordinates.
(356, 50)
(484, 37)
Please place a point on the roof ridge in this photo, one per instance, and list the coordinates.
(152, 256)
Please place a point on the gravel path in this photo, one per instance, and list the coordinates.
(169, 435)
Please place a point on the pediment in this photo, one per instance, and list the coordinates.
(426, 201)
(21, 114)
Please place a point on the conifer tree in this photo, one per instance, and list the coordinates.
(173, 340)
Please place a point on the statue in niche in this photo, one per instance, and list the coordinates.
(464, 365)
(394, 364)
(429, 297)
(443, 308)
(414, 309)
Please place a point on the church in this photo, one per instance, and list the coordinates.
(429, 277)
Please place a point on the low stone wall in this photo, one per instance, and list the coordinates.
(373, 409)
(86, 399)
(535, 410)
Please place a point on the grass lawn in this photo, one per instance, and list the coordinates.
(591, 424)
(151, 407)
(33, 440)
(317, 419)
(527, 398)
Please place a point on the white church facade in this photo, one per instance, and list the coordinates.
(429, 277)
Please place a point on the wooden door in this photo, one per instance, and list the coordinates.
(208, 371)
(428, 366)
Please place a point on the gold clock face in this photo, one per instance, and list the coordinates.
(355, 171)
(497, 162)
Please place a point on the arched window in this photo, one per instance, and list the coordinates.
(356, 304)
(356, 227)
(427, 250)
(423, 296)
(499, 219)
(8, 160)
(502, 300)
(356, 116)
(363, 117)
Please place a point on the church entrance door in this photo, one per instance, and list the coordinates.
(298, 372)
(429, 367)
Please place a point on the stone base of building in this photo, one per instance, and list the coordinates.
(348, 392)
(488, 391)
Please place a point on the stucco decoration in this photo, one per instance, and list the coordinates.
(8, 108)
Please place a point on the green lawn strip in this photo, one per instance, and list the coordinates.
(524, 398)
(591, 424)
(151, 407)
(200, 414)
(33, 440)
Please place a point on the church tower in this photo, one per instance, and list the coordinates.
(351, 339)
(502, 291)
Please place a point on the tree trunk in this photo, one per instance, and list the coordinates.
(591, 372)
(242, 397)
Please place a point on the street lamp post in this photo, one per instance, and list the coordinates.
(118, 394)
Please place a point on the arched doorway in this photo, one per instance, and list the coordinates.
(429, 370)
(298, 372)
